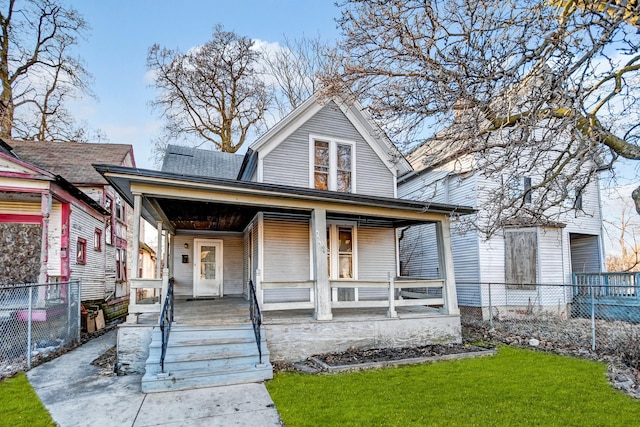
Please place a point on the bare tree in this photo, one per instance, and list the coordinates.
(211, 93)
(540, 87)
(623, 230)
(296, 69)
(38, 72)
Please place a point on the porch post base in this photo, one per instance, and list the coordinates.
(132, 318)
(323, 316)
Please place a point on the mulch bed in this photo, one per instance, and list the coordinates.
(357, 356)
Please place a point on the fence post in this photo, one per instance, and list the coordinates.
(593, 320)
(79, 310)
(29, 321)
(490, 307)
(69, 296)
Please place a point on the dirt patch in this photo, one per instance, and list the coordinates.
(107, 360)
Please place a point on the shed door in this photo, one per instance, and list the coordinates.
(207, 268)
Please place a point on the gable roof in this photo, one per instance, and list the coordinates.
(72, 160)
(31, 171)
(354, 112)
(196, 161)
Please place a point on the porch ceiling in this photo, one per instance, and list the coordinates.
(196, 215)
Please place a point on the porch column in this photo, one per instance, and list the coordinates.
(450, 295)
(45, 211)
(160, 251)
(320, 267)
(137, 209)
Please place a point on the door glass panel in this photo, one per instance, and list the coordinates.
(208, 262)
(345, 252)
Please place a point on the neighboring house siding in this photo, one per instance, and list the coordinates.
(20, 256)
(419, 252)
(55, 241)
(288, 163)
(231, 263)
(90, 274)
(452, 184)
(286, 257)
(585, 254)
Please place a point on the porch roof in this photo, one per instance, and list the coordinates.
(184, 201)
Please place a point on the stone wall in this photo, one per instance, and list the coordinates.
(20, 252)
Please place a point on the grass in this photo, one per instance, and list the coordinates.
(516, 387)
(20, 405)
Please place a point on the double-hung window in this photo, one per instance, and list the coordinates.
(341, 253)
(333, 164)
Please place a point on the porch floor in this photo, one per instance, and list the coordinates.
(235, 310)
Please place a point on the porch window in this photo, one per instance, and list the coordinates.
(340, 242)
(81, 251)
(333, 165)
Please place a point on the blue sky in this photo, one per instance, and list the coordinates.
(122, 31)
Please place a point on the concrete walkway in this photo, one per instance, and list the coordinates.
(77, 393)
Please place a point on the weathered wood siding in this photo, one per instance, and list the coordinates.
(232, 255)
(289, 164)
(55, 241)
(92, 273)
(286, 257)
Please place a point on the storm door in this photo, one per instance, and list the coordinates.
(207, 268)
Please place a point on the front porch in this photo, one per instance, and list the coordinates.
(294, 334)
(322, 267)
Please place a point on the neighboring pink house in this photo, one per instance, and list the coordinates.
(60, 220)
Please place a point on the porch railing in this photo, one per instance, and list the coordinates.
(392, 293)
(256, 317)
(624, 284)
(166, 319)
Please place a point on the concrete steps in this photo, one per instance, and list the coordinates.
(204, 356)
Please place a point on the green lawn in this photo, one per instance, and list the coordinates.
(514, 388)
(20, 405)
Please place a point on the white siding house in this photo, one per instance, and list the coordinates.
(538, 253)
(309, 219)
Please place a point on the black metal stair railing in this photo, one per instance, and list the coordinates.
(166, 319)
(256, 317)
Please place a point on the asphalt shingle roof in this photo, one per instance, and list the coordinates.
(72, 160)
(199, 162)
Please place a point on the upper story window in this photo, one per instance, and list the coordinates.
(119, 212)
(333, 165)
(574, 199)
(97, 239)
(520, 188)
(81, 251)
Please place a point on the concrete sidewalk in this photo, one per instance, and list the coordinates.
(77, 393)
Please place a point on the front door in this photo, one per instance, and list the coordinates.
(207, 268)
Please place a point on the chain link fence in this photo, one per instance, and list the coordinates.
(37, 321)
(596, 317)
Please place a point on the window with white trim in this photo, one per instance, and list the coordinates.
(341, 253)
(333, 165)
